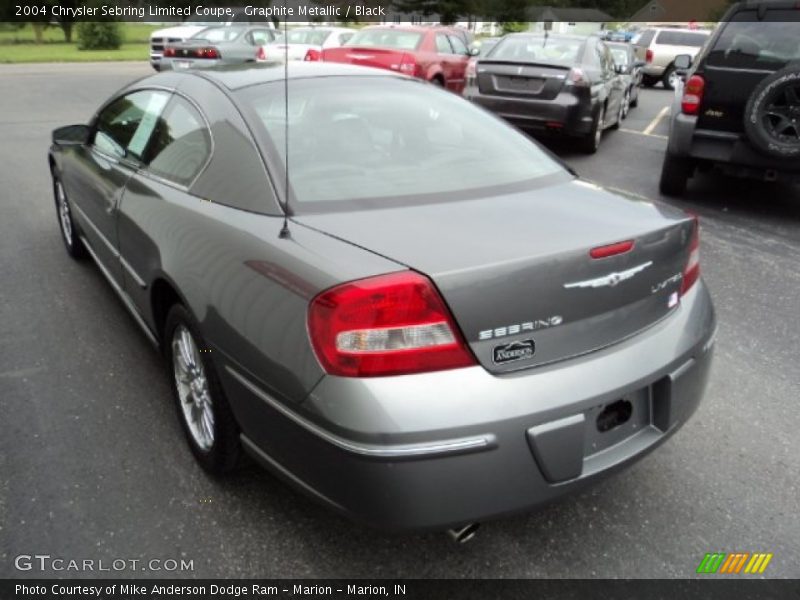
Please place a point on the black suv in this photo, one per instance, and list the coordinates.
(739, 109)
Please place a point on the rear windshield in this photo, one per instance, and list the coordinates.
(681, 38)
(312, 37)
(220, 34)
(386, 38)
(749, 44)
(395, 140)
(551, 50)
(620, 55)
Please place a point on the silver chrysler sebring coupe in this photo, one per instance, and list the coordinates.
(384, 294)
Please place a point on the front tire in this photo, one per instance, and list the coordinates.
(205, 415)
(675, 174)
(69, 233)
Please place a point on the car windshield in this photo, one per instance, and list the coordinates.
(311, 37)
(538, 49)
(620, 55)
(386, 38)
(220, 34)
(394, 139)
(747, 43)
(486, 46)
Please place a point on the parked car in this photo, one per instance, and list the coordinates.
(659, 46)
(305, 43)
(215, 46)
(630, 71)
(436, 54)
(439, 324)
(556, 84)
(160, 38)
(478, 49)
(739, 110)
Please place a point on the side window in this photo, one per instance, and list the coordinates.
(458, 46)
(181, 144)
(608, 60)
(344, 37)
(259, 37)
(442, 45)
(124, 127)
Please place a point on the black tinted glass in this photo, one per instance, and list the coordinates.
(749, 44)
(181, 144)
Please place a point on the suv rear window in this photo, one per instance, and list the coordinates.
(645, 38)
(747, 43)
(681, 38)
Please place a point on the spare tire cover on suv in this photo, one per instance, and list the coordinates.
(772, 115)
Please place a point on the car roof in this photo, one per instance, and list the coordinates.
(241, 76)
(555, 36)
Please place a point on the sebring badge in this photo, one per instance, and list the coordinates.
(611, 279)
(513, 352)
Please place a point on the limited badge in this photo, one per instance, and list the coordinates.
(514, 351)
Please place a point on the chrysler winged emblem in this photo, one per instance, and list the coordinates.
(610, 280)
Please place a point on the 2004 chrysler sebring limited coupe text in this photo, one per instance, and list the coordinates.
(448, 327)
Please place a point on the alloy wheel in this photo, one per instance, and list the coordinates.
(781, 116)
(193, 388)
(65, 218)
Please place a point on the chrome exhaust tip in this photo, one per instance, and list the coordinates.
(462, 535)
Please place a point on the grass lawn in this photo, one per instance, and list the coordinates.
(31, 53)
(18, 46)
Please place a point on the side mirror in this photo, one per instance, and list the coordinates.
(474, 51)
(683, 62)
(71, 135)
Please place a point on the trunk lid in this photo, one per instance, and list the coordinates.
(516, 268)
(381, 58)
(295, 51)
(526, 80)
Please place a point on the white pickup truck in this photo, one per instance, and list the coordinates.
(174, 35)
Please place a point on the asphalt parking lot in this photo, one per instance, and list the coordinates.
(93, 465)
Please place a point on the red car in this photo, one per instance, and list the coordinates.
(435, 54)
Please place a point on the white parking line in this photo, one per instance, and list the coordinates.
(637, 132)
(654, 123)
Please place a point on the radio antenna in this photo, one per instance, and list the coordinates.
(285, 233)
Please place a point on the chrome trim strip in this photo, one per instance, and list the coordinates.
(460, 445)
(134, 275)
(99, 233)
(121, 293)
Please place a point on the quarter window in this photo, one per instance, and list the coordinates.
(181, 144)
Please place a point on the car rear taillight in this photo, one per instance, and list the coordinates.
(386, 325)
(648, 56)
(611, 249)
(408, 66)
(211, 53)
(169, 52)
(691, 272)
(577, 77)
(261, 54)
(692, 95)
(313, 55)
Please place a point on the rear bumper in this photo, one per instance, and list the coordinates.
(566, 113)
(730, 152)
(653, 70)
(441, 449)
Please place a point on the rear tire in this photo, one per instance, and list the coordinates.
(590, 143)
(438, 82)
(670, 78)
(675, 174)
(203, 410)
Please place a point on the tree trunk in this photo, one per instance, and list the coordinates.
(66, 27)
(38, 31)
